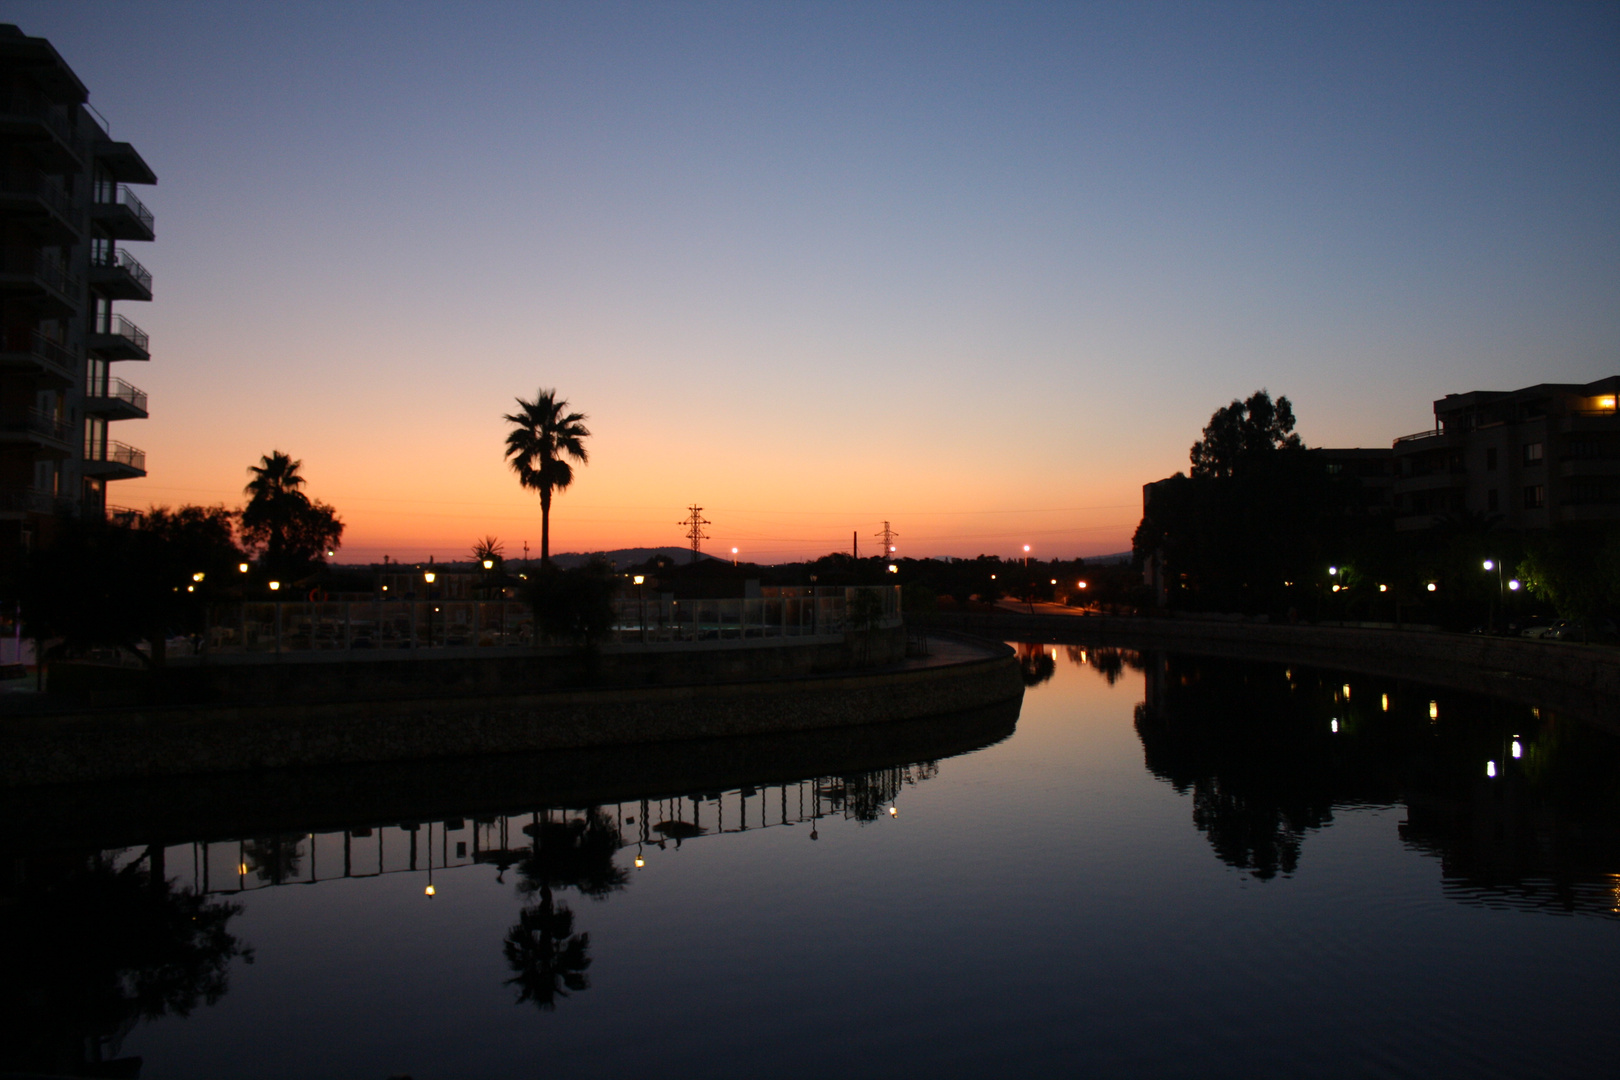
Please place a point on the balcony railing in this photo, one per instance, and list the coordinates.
(39, 424)
(27, 500)
(32, 262)
(42, 349)
(120, 259)
(119, 390)
(116, 453)
(1415, 436)
(120, 195)
(120, 327)
(47, 189)
(20, 101)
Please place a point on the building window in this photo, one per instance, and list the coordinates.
(1535, 497)
(1532, 453)
(1490, 499)
(1490, 459)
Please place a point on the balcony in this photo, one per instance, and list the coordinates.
(114, 461)
(122, 215)
(29, 193)
(40, 431)
(15, 502)
(27, 271)
(1420, 435)
(32, 352)
(118, 275)
(116, 338)
(27, 114)
(116, 400)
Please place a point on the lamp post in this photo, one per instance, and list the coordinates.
(641, 608)
(1501, 594)
(430, 577)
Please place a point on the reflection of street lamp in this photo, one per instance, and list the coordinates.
(641, 606)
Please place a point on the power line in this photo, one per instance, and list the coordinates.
(888, 536)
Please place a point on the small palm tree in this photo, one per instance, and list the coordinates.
(544, 435)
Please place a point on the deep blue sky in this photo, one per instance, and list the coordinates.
(978, 269)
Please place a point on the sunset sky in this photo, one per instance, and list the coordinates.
(980, 270)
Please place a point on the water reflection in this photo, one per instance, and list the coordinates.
(100, 936)
(93, 945)
(1519, 806)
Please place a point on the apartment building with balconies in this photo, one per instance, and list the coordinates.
(1532, 458)
(66, 212)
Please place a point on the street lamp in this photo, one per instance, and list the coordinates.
(275, 586)
(1501, 597)
(430, 577)
(242, 567)
(641, 605)
(733, 556)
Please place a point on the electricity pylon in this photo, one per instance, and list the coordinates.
(694, 529)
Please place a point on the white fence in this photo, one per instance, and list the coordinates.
(300, 626)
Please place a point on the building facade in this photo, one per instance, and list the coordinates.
(1534, 458)
(66, 212)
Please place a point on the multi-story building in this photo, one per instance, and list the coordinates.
(66, 210)
(1532, 458)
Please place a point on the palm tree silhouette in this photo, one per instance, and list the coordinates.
(546, 957)
(273, 498)
(543, 436)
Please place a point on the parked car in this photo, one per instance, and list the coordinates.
(1594, 630)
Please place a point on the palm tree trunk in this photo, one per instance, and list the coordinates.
(545, 527)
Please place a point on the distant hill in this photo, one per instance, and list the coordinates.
(623, 556)
(1118, 558)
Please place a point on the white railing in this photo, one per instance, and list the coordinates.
(314, 625)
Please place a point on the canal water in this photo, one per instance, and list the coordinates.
(1159, 866)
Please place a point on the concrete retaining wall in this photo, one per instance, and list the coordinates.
(399, 675)
(181, 740)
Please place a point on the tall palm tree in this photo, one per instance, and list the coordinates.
(274, 498)
(544, 435)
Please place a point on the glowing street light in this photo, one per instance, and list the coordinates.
(733, 556)
(198, 576)
(242, 567)
(1431, 586)
(275, 586)
(893, 569)
(1513, 584)
(489, 564)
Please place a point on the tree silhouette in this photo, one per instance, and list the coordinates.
(547, 958)
(293, 530)
(544, 436)
(92, 949)
(1243, 432)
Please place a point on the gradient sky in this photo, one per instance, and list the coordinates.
(979, 269)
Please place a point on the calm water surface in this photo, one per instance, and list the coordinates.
(1172, 867)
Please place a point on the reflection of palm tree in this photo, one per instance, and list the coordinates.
(546, 957)
(91, 950)
(273, 859)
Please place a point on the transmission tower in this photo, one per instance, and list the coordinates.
(694, 529)
(888, 536)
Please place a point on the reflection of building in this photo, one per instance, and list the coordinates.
(66, 211)
(1536, 457)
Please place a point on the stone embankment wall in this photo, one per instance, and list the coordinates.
(1580, 680)
(399, 675)
(182, 740)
